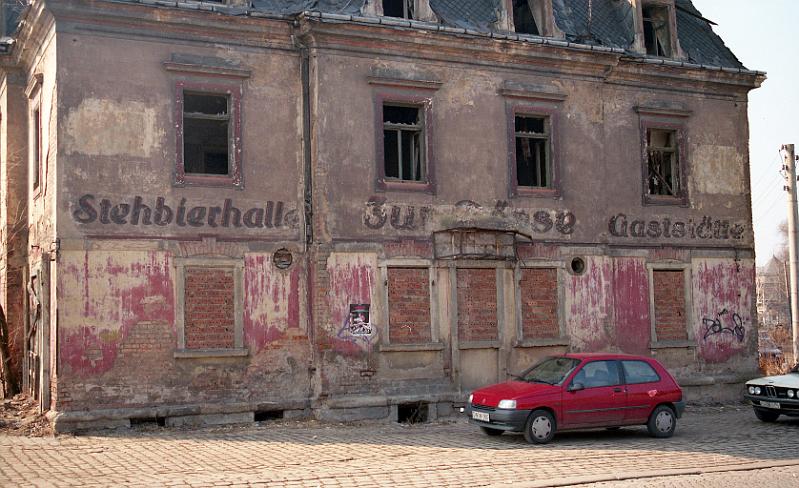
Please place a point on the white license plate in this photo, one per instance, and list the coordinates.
(480, 416)
(769, 404)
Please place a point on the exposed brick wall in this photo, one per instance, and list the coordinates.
(209, 321)
(670, 320)
(408, 305)
(539, 296)
(477, 304)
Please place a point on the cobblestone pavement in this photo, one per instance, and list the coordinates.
(719, 445)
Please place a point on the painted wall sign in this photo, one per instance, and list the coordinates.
(708, 228)
(158, 213)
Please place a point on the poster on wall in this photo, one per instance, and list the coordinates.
(359, 320)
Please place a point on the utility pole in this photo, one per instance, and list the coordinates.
(789, 167)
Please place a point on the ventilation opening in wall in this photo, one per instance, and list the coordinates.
(412, 413)
(577, 266)
(154, 421)
(267, 415)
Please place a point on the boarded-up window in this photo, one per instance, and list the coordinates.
(669, 289)
(408, 306)
(209, 312)
(477, 304)
(539, 296)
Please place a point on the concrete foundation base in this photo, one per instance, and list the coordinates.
(214, 419)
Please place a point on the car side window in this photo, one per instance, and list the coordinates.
(598, 373)
(636, 372)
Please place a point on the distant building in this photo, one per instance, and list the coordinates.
(367, 208)
(774, 309)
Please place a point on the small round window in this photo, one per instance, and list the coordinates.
(282, 258)
(577, 266)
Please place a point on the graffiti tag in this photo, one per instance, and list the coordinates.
(621, 226)
(715, 326)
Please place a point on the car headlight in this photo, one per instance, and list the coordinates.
(509, 404)
(751, 390)
(471, 397)
(757, 390)
(791, 393)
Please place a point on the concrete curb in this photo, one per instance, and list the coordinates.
(665, 473)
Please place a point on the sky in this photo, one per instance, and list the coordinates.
(763, 35)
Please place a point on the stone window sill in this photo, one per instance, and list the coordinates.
(672, 344)
(431, 346)
(211, 353)
(556, 341)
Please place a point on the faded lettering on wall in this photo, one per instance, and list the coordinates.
(707, 228)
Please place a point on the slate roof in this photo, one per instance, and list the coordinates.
(611, 23)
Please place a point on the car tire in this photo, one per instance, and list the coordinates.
(766, 415)
(662, 422)
(540, 427)
(491, 432)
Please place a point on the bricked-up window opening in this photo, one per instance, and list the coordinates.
(657, 36)
(402, 9)
(663, 162)
(408, 306)
(523, 19)
(209, 312)
(532, 152)
(539, 296)
(403, 142)
(477, 304)
(670, 319)
(206, 134)
(412, 413)
(37, 148)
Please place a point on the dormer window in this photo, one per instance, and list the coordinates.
(657, 33)
(524, 18)
(403, 9)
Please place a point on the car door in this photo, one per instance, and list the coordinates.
(601, 399)
(642, 386)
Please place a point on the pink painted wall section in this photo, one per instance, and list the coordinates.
(352, 280)
(102, 295)
(271, 300)
(633, 323)
(723, 316)
(589, 305)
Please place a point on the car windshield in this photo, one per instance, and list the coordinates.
(551, 371)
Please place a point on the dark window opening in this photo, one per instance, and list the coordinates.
(402, 9)
(577, 266)
(159, 421)
(657, 36)
(412, 413)
(523, 18)
(532, 152)
(663, 168)
(403, 143)
(266, 415)
(37, 148)
(206, 134)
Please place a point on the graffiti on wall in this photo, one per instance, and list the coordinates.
(403, 217)
(357, 326)
(707, 228)
(734, 325)
(272, 215)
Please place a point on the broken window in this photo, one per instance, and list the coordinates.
(403, 9)
(37, 148)
(657, 35)
(663, 166)
(403, 142)
(532, 152)
(523, 18)
(206, 134)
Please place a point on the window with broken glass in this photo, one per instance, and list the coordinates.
(663, 165)
(523, 18)
(403, 9)
(206, 133)
(657, 35)
(533, 167)
(404, 143)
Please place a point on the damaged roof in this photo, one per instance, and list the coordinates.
(608, 23)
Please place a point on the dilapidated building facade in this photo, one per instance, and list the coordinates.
(353, 209)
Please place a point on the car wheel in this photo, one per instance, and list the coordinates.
(662, 422)
(540, 427)
(766, 415)
(491, 432)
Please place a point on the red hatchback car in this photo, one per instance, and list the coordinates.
(579, 391)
